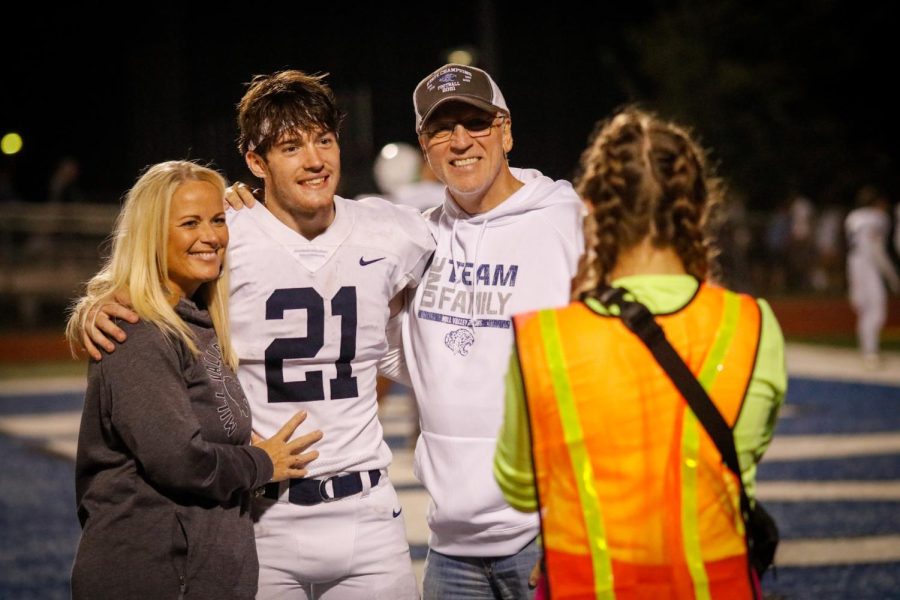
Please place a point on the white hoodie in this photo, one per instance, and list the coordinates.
(457, 338)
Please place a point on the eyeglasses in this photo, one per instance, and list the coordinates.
(478, 126)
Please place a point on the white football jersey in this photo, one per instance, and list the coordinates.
(308, 320)
(867, 229)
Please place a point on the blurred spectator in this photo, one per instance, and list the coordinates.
(395, 166)
(423, 194)
(61, 189)
(404, 178)
(868, 227)
(800, 250)
(736, 242)
(777, 240)
(7, 193)
(63, 186)
(897, 229)
(827, 275)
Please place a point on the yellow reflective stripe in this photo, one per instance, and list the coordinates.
(727, 329)
(690, 531)
(690, 449)
(581, 464)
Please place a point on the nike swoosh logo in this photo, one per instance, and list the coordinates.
(363, 262)
(397, 512)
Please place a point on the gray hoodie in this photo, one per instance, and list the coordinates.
(163, 471)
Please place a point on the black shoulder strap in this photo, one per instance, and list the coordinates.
(640, 321)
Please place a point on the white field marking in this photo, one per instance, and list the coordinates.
(56, 432)
(826, 491)
(811, 447)
(841, 364)
(415, 505)
(396, 426)
(419, 570)
(401, 469)
(63, 448)
(787, 411)
(838, 551)
(43, 386)
(47, 425)
(396, 406)
(397, 414)
(60, 430)
(805, 360)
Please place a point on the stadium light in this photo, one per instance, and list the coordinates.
(11, 143)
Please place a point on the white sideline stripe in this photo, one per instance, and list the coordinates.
(42, 425)
(415, 506)
(839, 364)
(824, 491)
(58, 431)
(805, 360)
(401, 469)
(396, 404)
(42, 386)
(808, 447)
(419, 570)
(63, 448)
(395, 428)
(838, 551)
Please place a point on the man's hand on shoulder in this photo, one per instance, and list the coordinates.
(239, 195)
(100, 329)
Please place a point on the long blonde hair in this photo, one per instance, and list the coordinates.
(138, 265)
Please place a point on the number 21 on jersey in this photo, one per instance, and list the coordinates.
(312, 388)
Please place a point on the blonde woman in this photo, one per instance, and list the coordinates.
(165, 468)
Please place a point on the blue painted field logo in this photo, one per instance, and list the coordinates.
(459, 341)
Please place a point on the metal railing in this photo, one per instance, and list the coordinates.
(48, 251)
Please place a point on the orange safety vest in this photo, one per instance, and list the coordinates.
(636, 501)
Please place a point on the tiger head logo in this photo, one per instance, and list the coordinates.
(459, 341)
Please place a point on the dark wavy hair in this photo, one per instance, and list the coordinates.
(283, 102)
(646, 177)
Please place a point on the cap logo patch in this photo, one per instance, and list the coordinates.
(447, 81)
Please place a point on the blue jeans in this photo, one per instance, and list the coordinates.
(480, 578)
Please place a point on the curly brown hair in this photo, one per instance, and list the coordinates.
(283, 102)
(646, 177)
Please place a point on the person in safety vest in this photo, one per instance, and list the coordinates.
(635, 499)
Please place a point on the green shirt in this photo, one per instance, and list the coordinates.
(661, 294)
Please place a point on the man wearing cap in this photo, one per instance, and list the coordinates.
(508, 241)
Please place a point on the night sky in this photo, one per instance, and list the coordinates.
(127, 92)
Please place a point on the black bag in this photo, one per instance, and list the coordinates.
(763, 538)
(762, 531)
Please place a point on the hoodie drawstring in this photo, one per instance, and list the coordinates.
(453, 264)
(475, 276)
(452, 240)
